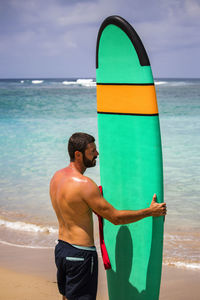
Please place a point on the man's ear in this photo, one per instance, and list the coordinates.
(78, 155)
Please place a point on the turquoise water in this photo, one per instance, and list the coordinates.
(36, 120)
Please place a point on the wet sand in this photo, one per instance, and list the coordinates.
(30, 274)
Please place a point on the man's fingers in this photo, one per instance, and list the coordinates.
(160, 208)
(154, 197)
(164, 210)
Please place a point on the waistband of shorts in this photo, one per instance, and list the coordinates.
(91, 248)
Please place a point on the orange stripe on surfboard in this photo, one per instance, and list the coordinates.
(127, 99)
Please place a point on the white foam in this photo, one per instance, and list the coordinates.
(82, 82)
(24, 246)
(37, 81)
(69, 82)
(172, 83)
(22, 81)
(184, 265)
(22, 226)
(179, 83)
(160, 82)
(86, 82)
(179, 238)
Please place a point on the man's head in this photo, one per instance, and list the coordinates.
(83, 144)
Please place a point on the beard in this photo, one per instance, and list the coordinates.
(89, 163)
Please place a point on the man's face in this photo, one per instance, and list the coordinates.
(90, 155)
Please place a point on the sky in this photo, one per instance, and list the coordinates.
(57, 38)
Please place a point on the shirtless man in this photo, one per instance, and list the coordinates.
(74, 197)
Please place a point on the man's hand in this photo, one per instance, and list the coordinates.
(157, 209)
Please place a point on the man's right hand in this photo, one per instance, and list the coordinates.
(157, 209)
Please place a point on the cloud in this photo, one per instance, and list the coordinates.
(176, 30)
(193, 8)
(65, 28)
(164, 20)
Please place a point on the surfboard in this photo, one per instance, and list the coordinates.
(130, 155)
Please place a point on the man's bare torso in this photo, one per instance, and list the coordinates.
(73, 213)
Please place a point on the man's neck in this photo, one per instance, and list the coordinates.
(78, 167)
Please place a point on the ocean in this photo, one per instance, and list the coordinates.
(37, 116)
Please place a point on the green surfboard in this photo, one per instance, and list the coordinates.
(130, 159)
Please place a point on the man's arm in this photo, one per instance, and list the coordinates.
(94, 199)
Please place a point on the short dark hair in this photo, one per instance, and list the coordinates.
(78, 142)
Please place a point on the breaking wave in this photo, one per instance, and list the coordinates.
(28, 227)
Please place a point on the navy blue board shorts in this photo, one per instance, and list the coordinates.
(77, 271)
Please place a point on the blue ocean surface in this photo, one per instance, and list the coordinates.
(37, 117)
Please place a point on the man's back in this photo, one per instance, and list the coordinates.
(73, 213)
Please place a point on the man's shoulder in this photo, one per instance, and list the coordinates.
(73, 181)
(90, 188)
(56, 175)
(88, 181)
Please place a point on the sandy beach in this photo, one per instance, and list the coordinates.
(27, 274)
